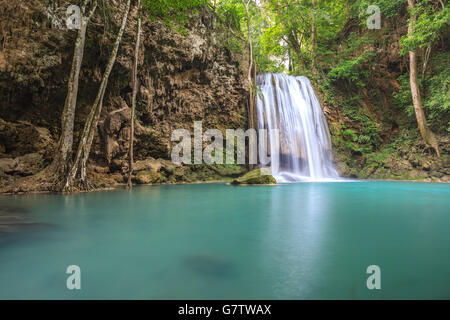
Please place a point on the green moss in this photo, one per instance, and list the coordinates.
(255, 177)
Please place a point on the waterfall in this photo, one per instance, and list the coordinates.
(290, 105)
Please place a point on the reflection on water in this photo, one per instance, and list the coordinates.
(300, 241)
(298, 225)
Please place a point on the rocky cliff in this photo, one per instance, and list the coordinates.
(186, 73)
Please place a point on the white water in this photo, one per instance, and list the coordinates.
(289, 104)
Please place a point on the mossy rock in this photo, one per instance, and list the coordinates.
(254, 178)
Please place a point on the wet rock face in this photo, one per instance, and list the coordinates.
(183, 77)
(191, 78)
(148, 177)
(20, 138)
(26, 165)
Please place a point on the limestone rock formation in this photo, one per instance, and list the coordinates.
(183, 77)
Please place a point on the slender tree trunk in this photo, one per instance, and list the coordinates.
(313, 41)
(133, 102)
(427, 135)
(250, 66)
(91, 123)
(63, 156)
(426, 58)
(251, 111)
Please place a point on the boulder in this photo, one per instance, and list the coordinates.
(147, 165)
(255, 177)
(418, 174)
(342, 168)
(99, 169)
(388, 163)
(29, 164)
(437, 174)
(26, 165)
(147, 177)
(18, 139)
(7, 165)
(426, 165)
(115, 132)
(117, 165)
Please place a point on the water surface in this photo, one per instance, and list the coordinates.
(299, 241)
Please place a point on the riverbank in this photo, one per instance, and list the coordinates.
(228, 181)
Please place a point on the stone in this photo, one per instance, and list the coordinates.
(437, 174)
(99, 169)
(7, 165)
(29, 164)
(387, 163)
(426, 166)
(415, 162)
(342, 168)
(254, 178)
(26, 165)
(114, 131)
(148, 164)
(118, 165)
(147, 177)
(418, 174)
(405, 164)
(20, 138)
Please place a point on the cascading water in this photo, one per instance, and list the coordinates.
(290, 105)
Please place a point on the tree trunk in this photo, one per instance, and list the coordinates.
(250, 66)
(63, 156)
(426, 58)
(133, 102)
(91, 123)
(427, 135)
(251, 111)
(313, 41)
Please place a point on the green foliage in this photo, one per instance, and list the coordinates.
(172, 10)
(346, 54)
(402, 97)
(231, 14)
(431, 24)
(437, 92)
(352, 69)
(389, 8)
(162, 8)
(349, 133)
(353, 142)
